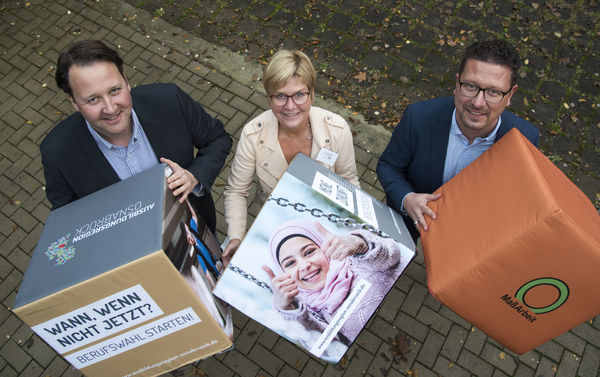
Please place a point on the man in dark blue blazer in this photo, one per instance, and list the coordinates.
(118, 132)
(437, 138)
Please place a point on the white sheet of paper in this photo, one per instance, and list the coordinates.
(327, 157)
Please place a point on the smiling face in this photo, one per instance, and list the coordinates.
(475, 116)
(291, 116)
(102, 95)
(304, 261)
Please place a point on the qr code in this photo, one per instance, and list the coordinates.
(342, 196)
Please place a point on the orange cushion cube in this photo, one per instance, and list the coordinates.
(515, 248)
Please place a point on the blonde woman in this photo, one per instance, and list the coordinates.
(270, 141)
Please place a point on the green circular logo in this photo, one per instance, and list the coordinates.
(561, 286)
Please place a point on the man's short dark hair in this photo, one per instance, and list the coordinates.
(84, 53)
(495, 51)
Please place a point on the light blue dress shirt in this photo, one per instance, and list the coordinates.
(127, 161)
(459, 153)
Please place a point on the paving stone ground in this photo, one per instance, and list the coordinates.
(438, 342)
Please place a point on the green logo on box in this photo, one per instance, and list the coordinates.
(561, 286)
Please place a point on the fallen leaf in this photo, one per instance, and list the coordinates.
(502, 355)
(362, 76)
(399, 346)
(342, 363)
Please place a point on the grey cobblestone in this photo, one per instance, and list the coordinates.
(291, 354)
(551, 350)
(474, 364)
(431, 348)
(410, 326)
(381, 361)
(454, 342)
(247, 337)
(19, 259)
(32, 369)
(499, 358)
(569, 364)
(590, 364)
(359, 361)
(369, 341)
(434, 320)
(224, 110)
(14, 355)
(9, 284)
(571, 342)
(447, 368)
(240, 363)
(589, 333)
(524, 371)
(391, 305)
(312, 369)
(266, 359)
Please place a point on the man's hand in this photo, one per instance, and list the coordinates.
(230, 249)
(416, 206)
(181, 182)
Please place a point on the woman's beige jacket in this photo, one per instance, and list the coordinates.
(259, 154)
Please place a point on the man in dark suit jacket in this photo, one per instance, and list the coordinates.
(118, 132)
(437, 138)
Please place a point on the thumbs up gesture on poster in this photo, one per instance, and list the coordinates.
(284, 289)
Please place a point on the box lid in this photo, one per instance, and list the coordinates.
(95, 234)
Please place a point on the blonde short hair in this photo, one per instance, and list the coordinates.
(285, 65)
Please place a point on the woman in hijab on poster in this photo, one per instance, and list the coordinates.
(314, 272)
(269, 142)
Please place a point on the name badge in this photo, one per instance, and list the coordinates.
(327, 157)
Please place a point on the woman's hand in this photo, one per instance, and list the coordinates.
(284, 289)
(230, 249)
(340, 247)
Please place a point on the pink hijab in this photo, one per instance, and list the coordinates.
(339, 277)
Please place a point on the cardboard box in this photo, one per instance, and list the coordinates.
(342, 249)
(116, 289)
(515, 248)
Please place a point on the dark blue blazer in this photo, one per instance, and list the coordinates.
(415, 157)
(174, 123)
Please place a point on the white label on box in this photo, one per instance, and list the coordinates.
(341, 316)
(134, 338)
(99, 319)
(366, 211)
(329, 188)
